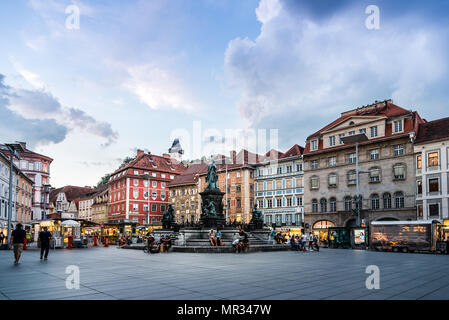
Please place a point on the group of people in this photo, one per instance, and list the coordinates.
(305, 242)
(215, 238)
(163, 245)
(19, 237)
(241, 241)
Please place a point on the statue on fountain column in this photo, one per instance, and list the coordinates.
(211, 177)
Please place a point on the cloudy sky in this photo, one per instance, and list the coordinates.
(136, 74)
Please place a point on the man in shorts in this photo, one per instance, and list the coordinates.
(17, 240)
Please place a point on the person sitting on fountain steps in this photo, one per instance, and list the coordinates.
(212, 239)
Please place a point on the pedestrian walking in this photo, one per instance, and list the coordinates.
(44, 240)
(303, 242)
(2, 238)
(17, 240)
(310, 238)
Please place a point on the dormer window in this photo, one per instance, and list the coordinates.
(351, 123)
(314, 144)
(397, 126)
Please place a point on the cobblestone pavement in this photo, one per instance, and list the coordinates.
(112, 273)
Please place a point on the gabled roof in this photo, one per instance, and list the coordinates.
(148, 161)
(433, 131)
(296, 150)
(26, 152)
(72, 193)
(385, 108)
(190, 175)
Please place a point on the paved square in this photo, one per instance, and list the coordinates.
(112, 273)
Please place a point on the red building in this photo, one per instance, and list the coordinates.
(138, 191)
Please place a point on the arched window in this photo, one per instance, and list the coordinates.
(323, 224)
(386, 200)
(323, 205)
(375, 201)
(314, 205)
(333, 204)
(399, 200)
(348, 203)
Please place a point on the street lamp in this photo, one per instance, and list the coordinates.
(147, 177)
(14, 149)
(356, 138)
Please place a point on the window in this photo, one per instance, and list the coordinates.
(419, 162)
(348, 203)
(238, 188)
(420, 210)
(374, 154)
(398, 150)
(386, 200)
(375, 202)
(136, 172)
(154, 195)
(332, 141)
(146, 194)
(332, 161)
(434, 185)
(289, 202)
(314, 182)
(352, 157)
(269, 203)
(278, 202)
(153, 207)
(135, 193)
(146, 183)
(145, 207)
(351, 133)
(154, 184)
(162, 184)
(399, 171)
(323, 205)
(332, 204)
(352, 177)
(314, 205)
(374, 175)
(397, 126)
(373, 132)
(261, 203)
(136, 182)
(314, 164)
(238, 174)
(399, 200)
(332, 179)
(432, 159)
(434, 209)
(162, 176)
(341, 135)
(162, 196)
(135, 207)
(289, 169)
(192, 206)
(419, 186)
(299, 167)
(362, 131)
(314, 144)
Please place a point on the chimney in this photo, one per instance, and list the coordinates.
(140, 152)
(166, 156)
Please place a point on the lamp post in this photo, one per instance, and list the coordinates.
(14, 149)
(147, 177)
(356, 138)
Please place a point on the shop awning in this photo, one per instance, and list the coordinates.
(70, 223)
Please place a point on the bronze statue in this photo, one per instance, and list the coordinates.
(211, 177)
(168, 217)
(257, 215)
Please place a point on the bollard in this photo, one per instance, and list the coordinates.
(95, 241)
(25, 245)
(69, 243)
(106, 241)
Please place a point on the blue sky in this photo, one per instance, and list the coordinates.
(137, 71)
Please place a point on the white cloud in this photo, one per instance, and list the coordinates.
(303, 68)
(159, 88)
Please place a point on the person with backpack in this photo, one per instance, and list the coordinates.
(17, 240)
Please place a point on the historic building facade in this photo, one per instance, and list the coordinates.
(100, 205)
(138, 191)
(85, 206)
(64, 202)
(184, 195)
(432, 170)
(24, 193)
(279, 189)
(37, 167)
(386, 160)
